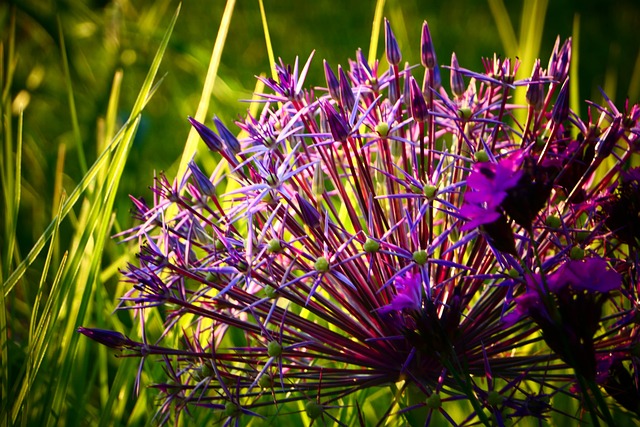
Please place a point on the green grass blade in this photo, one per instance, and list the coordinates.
(112, 108)
(267, 40)
(504, 25)
(11, 61)
(193, 139)
(375, 31)
(39, 343)
(53, 350)
(531, 29)
(17, 191)
(72, 103)
(83, 275)
(80, 188)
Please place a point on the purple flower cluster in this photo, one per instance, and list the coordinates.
(435, 248)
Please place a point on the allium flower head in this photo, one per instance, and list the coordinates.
(380, 253)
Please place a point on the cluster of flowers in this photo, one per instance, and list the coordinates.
(447, 247)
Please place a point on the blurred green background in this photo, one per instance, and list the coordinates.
(102, 37)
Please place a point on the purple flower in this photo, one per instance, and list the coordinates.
(336, 255)
(567, 305)
(489, 183)
(409, 294)
(209, 137)
(203, 182)
(590, 274)
(622, 208)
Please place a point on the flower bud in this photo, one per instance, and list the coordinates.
(391, 45)
(209, 137)
(346, 93)
(229, 138)
(535, 90)
(337, 124)
(202, 181)
(419, 110)
(321, 265)
(560, 111)
(332, 82)
(457, 81)
(427, 52)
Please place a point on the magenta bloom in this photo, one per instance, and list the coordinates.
(409, 296)
(490, 183)
(591, 275)
(568, 309)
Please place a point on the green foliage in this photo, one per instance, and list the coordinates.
(72, 73)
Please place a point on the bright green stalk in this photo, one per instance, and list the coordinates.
(10, 177)
(267, 40)
(193, 139)
(375, 31)
(505, 28)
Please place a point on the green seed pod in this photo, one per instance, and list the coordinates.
(434, 401)
(202, 372)
(382, 128)
(270, 292)
(464, 113)
(494, 398)
(371, 246)
(321, 265)
(420, 257)
(274, 246)
(265, 381)
(274, 349)
(481, 156)
(582, 235)
(430, 191)
(553, 221)
(577, 253)
(313, 409)
(231, 409)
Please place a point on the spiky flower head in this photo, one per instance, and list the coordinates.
(368, 245)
